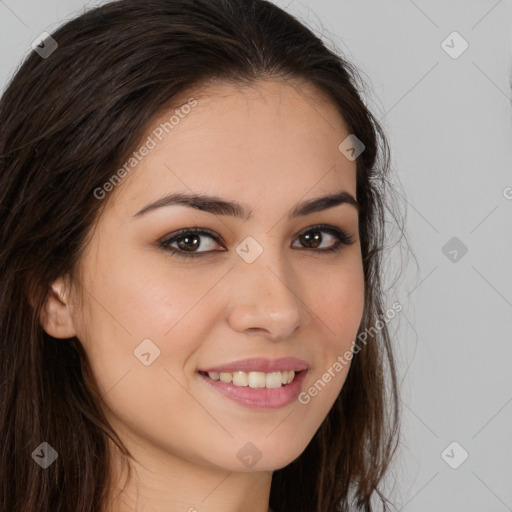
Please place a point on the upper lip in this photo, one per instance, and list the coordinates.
(261, 364)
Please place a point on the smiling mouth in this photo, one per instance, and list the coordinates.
(270, 380)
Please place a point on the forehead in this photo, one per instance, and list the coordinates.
(266, 142)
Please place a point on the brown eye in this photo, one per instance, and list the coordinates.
(312, 238)
(188, 240)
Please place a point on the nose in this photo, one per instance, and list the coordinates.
(264, 300)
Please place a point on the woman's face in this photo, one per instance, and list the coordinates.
(263, 287)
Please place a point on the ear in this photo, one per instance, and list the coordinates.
(56, 315)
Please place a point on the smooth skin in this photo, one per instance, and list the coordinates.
(270, 147)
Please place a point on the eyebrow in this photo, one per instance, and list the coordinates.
(218, 206)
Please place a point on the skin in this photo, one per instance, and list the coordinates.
(269, 147)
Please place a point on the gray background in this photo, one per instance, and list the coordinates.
(449, 125)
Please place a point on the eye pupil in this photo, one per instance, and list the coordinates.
(316, 238)
(186, 239)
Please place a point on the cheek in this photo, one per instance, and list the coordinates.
(127, 304)
(338, 310)
(339, 304)
(142, 328)
(150, 309)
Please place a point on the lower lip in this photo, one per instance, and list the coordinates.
(260, 398)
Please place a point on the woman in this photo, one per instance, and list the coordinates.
(191, 310)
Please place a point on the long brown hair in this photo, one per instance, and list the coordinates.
(68, 122)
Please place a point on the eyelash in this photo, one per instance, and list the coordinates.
(340, 235)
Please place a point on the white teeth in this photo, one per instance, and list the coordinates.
(254, 379)
(273, 380)
(240, 379)
(226, 377)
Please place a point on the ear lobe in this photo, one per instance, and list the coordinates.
(56, 314)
